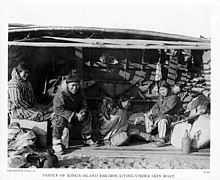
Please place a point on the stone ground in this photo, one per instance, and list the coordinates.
(137, 155)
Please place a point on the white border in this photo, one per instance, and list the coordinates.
(213, 173)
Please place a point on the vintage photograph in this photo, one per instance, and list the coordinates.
(109, 86)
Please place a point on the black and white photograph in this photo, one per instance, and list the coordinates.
(109, 89)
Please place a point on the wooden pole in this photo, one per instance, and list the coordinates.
(56, 44)
(127, 41)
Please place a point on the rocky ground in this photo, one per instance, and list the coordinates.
(133, 163)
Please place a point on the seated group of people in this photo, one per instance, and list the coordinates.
(69, 104)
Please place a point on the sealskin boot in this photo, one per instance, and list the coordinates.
(57, 146)
(159, 143)
(88, 141)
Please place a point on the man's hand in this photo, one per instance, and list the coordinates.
(80, 114)
(37, 116)
(146, 115)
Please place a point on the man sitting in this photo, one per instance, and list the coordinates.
(69, 104)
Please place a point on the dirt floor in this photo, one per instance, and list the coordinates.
(137, 155)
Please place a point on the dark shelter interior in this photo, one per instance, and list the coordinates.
(110, 62)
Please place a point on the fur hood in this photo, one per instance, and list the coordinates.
(64, 88)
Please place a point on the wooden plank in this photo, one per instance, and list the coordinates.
(149, 153)
(113, 81)
(110, 46)
(147, 100)
(136, 66)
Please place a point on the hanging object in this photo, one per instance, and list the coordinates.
(126, 64)
(107, 63)
(142, 65)
(45, 84)
(188, 59)
(173, 67)
(158, 75)
(142, 62)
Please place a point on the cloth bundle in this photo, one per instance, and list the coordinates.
(19, 143)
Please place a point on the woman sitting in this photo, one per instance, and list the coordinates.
(21, 100)
(110, 123)
(115, 128)
(163, 113)
(133, 132)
